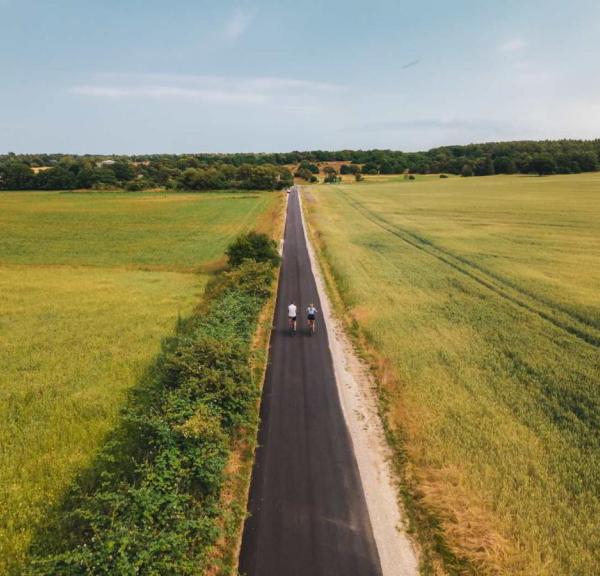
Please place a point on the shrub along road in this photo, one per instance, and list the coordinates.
(307, 508)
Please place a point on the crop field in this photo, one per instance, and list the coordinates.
(478, 302)
(90, 284)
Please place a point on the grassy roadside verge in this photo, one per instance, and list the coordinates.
(436, 556)
(152, 501)
(234, 496)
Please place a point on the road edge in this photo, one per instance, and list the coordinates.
(262, 342)
(397, 554)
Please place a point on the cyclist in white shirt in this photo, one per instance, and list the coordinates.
(292, 317)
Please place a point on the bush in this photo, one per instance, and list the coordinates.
(154, 506)
(467, 171)
(443, 175)
(137, 185)
(304, 173)
(253, 246)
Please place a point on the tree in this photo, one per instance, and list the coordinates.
(543, 164)
(16, 175)
(55, 179)
(202, 179)
(264, 177)
(587, 161)
(123, 171)
(304, 174)
(313, 168)
(286, 179)
(488, 167)
(331, 175)
(86, 178)
(370, 168)
(505, 165)
(566, 165)
(466, 171)
(105, 176)
(252, 246)
(349, 169)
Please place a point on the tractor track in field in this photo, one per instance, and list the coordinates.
(570, 323)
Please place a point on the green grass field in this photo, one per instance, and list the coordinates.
(479, 301)
(89, 286)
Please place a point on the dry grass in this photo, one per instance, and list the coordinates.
(479, 298)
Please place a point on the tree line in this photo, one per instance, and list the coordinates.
(268, 171)
(69, 173)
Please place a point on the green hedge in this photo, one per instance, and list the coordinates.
(154, 507)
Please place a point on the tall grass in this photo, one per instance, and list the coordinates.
(151, 502)
(142, 230)
(72, 342)
(89, 286)
(479, 301)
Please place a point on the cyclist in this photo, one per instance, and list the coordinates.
(292, 317)
(311, 312)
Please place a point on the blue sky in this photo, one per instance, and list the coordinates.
(135, 76)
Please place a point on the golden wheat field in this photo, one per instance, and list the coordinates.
(478, 302)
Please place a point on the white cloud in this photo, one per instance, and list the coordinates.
(513, 45)
(99, 91)
(282, 92)
(237, 24)
(162, 92)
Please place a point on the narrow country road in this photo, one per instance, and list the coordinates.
(308, 515)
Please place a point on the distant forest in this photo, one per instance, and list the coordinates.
(271, 171)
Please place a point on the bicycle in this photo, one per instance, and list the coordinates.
(312, 316)
(292, 326)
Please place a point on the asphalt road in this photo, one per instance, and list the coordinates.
(308, 515)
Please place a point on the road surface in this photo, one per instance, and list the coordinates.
(308, 515)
